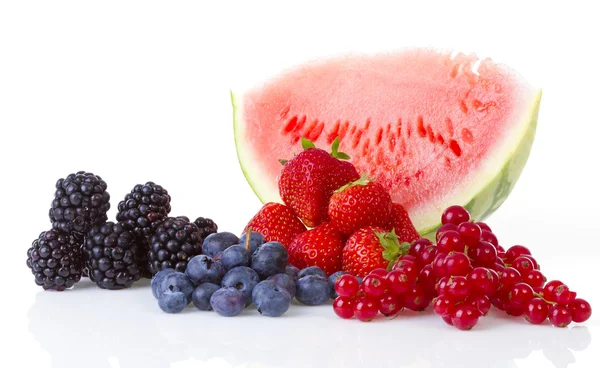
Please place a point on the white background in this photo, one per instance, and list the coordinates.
(137, 91)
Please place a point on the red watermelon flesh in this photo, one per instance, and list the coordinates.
(425, 124)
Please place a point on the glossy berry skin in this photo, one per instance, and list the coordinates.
(448, 320)
(524, 265)
(269, 259)
(228, 302)
(480, 302)
(442, 286)
(580, 310)
(559, 316)
(427, 256)
(562, 295)
(415, 298)
(455, 215)
(509, 278)
(536, 311)
(451, 241)
(321, 246)
(346, 286)
(458, 288)
(389, 305)
(400, 222)
(483, 254)
(516, 250)
(312, 290)
(490, 238)
(360, 204)
(536, 266)
(520, 294)
(365, 309)
(271, 299)
(465, 317)
(276, 222)
(398, 282)
(363, 252)
(418, 246)
(548, 292)
(427, 280)
(513, 310)
(308, 180)
(483, 226)
(482, 282)
(408, 267)
(442, 229)
(443, 306)
(374, 285)
(470, 232)
(534, 278)
(457, 264)
(234, 256)
(439, 265)
(343, 307)
(218, 242)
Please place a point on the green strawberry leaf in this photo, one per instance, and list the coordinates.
(334, 150)
(392, 249)
(306, 144)
(282, 161)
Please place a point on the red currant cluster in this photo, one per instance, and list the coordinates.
(463, 274)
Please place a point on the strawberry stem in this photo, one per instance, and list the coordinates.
(248, 236)
(392, 249)
(306, 143)
(363, 180)
(334, 150)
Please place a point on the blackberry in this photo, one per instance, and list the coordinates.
(175, 242)
(55, 259)
(110, 254)
(80, 202)
(206, 227)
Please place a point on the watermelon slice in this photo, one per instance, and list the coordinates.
(433, 128)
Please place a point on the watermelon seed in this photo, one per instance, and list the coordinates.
(454, 146)
(463, 106)
(449, 126)
(467, 136)
(291, 124)
(284, 113)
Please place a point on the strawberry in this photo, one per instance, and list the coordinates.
(361, 203)
(308, 180)
(370, 248)
(401, 223)
(276, 222)
(321, 246)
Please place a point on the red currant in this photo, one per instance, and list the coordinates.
(389, 305)
(398, 282)
(501, 251)
(560, 315)
(523, 264)
(536, 266)
(485, 254)
(513, 310)
(418, 245)
(443, 306)
(379, 271)
(455, 215)
(365, 309)
(442, 286)
(442, 229)
(448, 320)
(427, 256)
(516, 250)
(458, 288)
(482, 281)
(561, 294)
(536, 311)
(427, 279)
(521, 294)
(415, 299)
(470, 232)
(498, 267)
(346, 286)
(373, 285)
(457, 264)
(580, 309)
(343, 307)
(438, 264)
(465, 317)
(480, 302)
(408, 267)
(489, 237)
(509, 278)
(548, 292)
(534, 278)
(498, 301)
(483, 226)
(451, 241)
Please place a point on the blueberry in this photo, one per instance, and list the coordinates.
(332, 280)
(292, 271)
(218, 242)
(172, 301)
(312, 270)
(243, 279)
(256, 239)
(178, 281)
(203, 268)
(201, 295)
(312, 290)
(157, 290)
(235, 256)
(271, 299)
(228, 302)
(269, 259)
(285, 282)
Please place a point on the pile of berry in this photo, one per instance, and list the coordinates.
(114, 255)
(232, 274)
(463, 275)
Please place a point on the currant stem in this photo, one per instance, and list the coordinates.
(538, 295)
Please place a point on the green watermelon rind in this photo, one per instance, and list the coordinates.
(481, 205)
